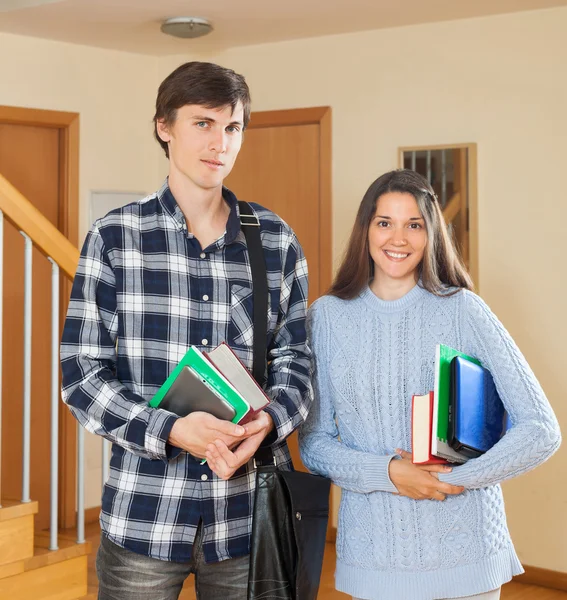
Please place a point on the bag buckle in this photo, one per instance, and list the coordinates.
(249, 220)
(256, 466)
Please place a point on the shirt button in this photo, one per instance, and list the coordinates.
(204, 342)
(205, 297)
(204, 477)
(203, 255)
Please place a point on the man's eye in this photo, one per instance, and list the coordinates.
(202, 124)
(232, 129)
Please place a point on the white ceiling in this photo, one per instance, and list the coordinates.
(134, 25)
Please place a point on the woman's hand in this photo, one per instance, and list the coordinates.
(420, 482)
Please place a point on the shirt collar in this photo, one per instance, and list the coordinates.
(172, 208)
(233, 222)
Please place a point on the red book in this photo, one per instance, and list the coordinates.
(421, 421)
(226, 361)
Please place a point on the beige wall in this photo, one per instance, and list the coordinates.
(114, 93)
(499, 82)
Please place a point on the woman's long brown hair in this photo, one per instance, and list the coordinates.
(441, 271)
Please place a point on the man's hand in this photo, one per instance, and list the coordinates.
(225, 463)
(197, 430)
(420, 482)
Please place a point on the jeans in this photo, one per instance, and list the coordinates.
(125, 575)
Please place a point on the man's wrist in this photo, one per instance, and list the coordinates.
(164, 422)
(271, 433)
(175, 436)
(271, 424)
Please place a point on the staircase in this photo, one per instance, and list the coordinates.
(28, 569)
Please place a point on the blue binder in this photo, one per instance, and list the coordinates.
(477, 418)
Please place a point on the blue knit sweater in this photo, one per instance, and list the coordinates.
(371, 355)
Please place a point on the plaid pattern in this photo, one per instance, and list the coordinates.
(143, 293)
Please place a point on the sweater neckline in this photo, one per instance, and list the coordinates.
(392, 306)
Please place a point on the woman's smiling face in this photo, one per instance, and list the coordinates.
(397, 237)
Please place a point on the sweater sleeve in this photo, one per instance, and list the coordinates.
(534, 435)
(321, 450)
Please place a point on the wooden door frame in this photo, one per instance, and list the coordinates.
(318, 115)
(67, 124)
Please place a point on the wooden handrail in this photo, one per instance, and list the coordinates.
(452, 208)
(45, 236)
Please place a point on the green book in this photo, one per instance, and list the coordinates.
(197, 385)
(440, 424)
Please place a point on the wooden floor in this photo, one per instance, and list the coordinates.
(511, 591)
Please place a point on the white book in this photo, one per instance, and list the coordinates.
(226, 361)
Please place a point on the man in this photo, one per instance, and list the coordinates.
(154, 278)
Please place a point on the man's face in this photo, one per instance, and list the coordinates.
(203, 143)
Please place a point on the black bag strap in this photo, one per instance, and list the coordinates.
(251, 228)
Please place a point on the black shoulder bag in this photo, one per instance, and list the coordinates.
(291, 508)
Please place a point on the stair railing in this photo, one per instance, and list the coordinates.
(39, 232)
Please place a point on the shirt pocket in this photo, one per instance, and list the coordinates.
(241, 325)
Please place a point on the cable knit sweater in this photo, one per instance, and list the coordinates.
(370, 356)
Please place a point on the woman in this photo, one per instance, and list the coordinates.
(408, 532)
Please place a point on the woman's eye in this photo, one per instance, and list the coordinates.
(383, 224)
(415, 225)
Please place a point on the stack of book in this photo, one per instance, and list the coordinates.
(215, 382)
(463, 417)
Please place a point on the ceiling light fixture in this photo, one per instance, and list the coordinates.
(187, 27)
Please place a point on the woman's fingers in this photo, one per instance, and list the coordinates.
(447, 488)
(437, 495)
(405, 455)
(435, 468)
(439, 468)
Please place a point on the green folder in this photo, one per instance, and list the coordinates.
(203, 368)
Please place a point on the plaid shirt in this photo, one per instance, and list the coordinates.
(143, 293)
